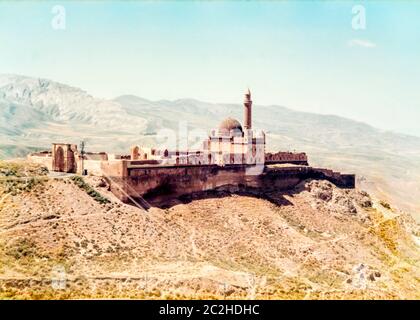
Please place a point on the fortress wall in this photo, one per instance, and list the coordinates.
(93, 167)
(286, 157)
(160, 183)
(339, 179)
(115, 172)
(296, 162)
(284, 178)
(175, 181)
(42, 160)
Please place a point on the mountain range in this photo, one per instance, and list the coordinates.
(36, 112)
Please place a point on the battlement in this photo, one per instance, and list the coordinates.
(286, 157)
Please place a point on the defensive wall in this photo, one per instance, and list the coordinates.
(160, 183)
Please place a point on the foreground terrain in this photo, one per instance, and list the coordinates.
(69, 237)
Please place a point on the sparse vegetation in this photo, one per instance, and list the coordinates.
(20, 176)
(20, 248)
(385, 204)
(21, 169)
(89, 190)
(389, 231)
(16, 186)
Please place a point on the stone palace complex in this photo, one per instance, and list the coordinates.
(232, 157)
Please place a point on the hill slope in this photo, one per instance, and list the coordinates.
(315, 242)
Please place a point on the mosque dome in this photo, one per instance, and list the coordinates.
(230, 124)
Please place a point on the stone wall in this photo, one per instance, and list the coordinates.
(286, 157)
(45, 160)
(160, 183)
(115, 172)
(93, 167)
(339, 179)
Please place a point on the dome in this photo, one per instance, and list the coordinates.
(230, 124)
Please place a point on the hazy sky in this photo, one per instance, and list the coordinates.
(303, 55)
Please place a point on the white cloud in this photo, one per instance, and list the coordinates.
(361, 43)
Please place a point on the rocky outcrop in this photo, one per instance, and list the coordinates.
(327, 196)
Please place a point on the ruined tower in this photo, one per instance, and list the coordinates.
(247, 110)
(64, 157)
(134, 153)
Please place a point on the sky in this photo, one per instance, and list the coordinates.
(314, 56)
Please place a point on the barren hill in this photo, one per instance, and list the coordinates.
(70, 238)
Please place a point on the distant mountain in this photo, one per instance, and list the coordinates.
(35, 112)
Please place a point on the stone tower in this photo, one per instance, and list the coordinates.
(247, 110)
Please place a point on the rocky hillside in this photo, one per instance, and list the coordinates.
(70, 238)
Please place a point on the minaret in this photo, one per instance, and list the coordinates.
(247, 110)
